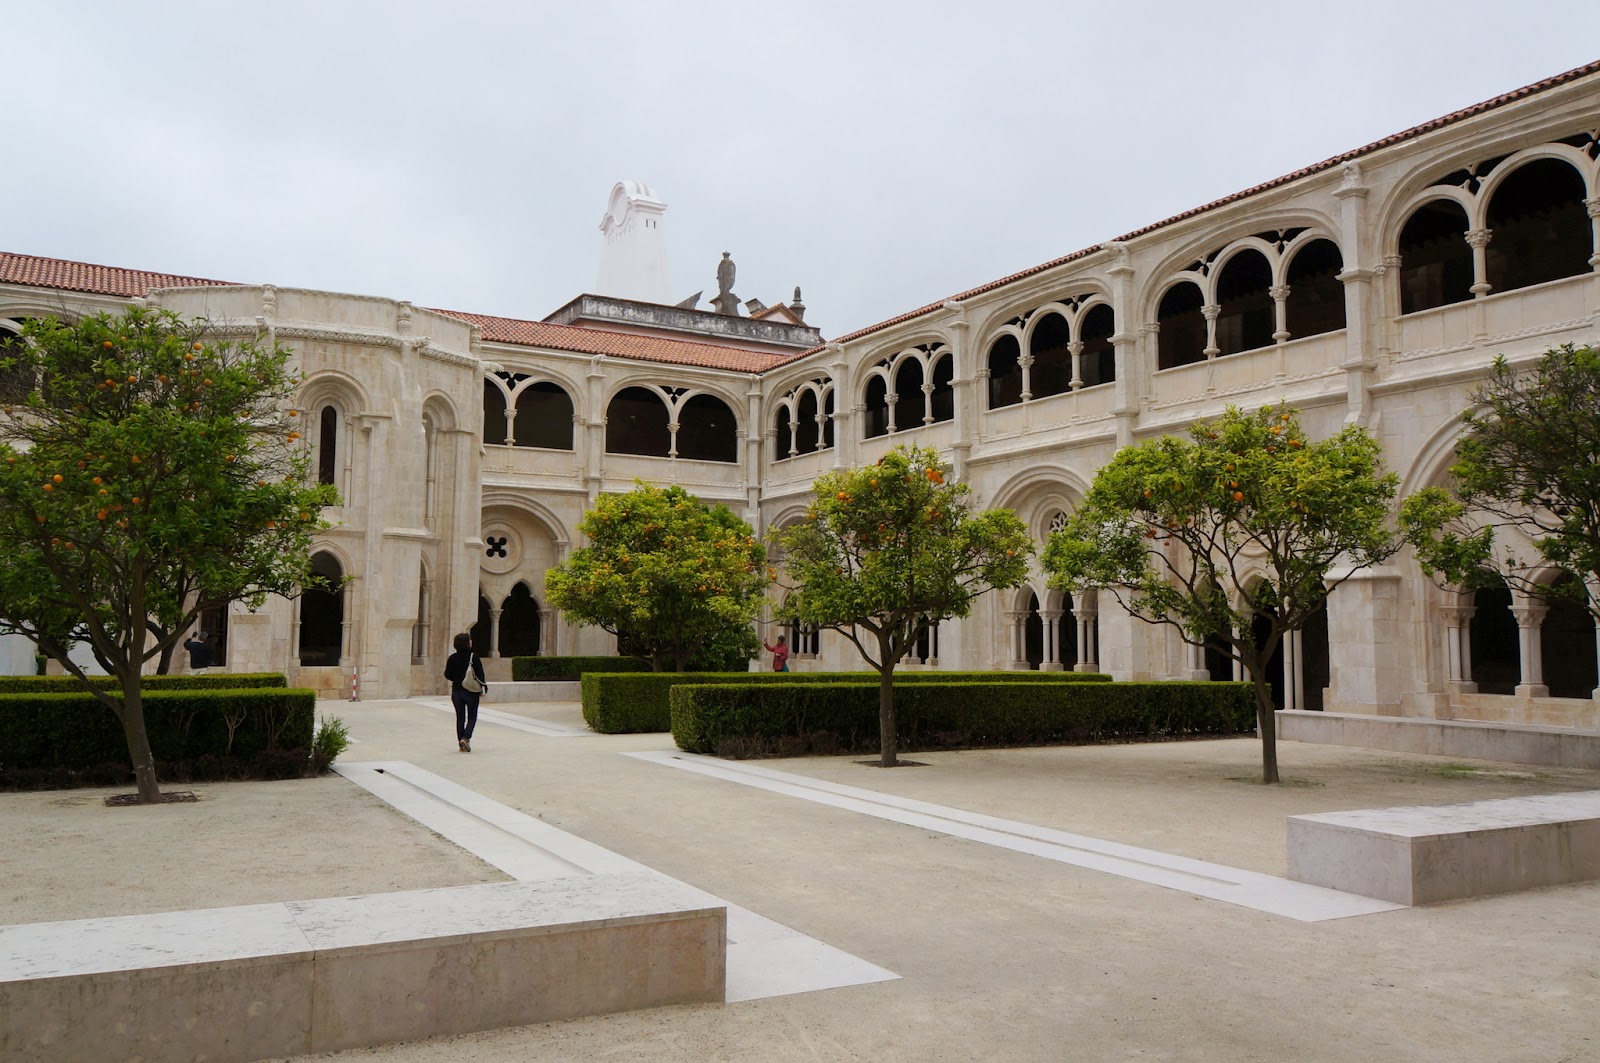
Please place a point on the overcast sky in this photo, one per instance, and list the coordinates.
(880, 155)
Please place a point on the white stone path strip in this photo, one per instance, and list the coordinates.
(765, 958)
(1249, 889)
(543, 728)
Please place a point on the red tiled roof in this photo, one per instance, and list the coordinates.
(1326, 164)
(84, 277)
(620, 344)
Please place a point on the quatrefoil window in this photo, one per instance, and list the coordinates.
(497, 545)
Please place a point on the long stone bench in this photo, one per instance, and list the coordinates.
(1425, 854)
(237, 984)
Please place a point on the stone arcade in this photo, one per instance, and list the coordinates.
(1372, 288)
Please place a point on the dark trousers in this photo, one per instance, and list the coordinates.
(466, 703)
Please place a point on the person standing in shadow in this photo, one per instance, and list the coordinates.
(467, 684)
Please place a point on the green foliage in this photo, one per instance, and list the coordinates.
(73, 730)
(332, 739)
(569, 669)
(56, 684)
(1242, 522)
(628, 704)
(151, 473)
(666, 573)
(1529, 465)
(761, 717)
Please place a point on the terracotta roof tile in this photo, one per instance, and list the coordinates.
(1326, 164)
(84, 277)
(621, 344)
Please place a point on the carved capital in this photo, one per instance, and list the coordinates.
(1479, 237)
(1279, 292)
(1210, 311)
(1530, 615)
(1593, 205)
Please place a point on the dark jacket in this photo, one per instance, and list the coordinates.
(199, 653)
(455, 669)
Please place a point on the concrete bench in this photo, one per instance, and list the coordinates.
(236, 984)
(1426, 854)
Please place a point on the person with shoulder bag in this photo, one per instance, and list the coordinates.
(467, 684)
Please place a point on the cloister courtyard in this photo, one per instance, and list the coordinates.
(980, 944)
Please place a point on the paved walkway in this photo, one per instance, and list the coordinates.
(1004, 951)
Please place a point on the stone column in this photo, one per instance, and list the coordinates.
(1087, 615)
(494, 633)
(1052, 640)
(1075, 348)
(1210, 312)
(1294, 674)
(1458, 648)
(1280, 312)
(1197, 670)
(1593, 205)
(1015, 621)
(1025, 360)
(1530, 617)
(1479, 241)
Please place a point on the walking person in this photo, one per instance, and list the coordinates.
(780, 654)
(199, 652)
(467, 684)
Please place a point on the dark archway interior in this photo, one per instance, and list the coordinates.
(1496, 656)
(1314, 665)
(707, 430)
(1245, 318)
(544, 417)
(1098, 360)
(1005, 372)
(214, 622)
(328, 446)
(17, 380)
(1316, 295)
(322, 614)
(1540, 227)
(783, 438)
(1567, 644)
(1274, 669)
(909, 404)
(877, 412)
(805, 423)
(519, 623)
(827, 421)
(481, 629)
(944, 392)
(637, 423)
(1182, 336)
(1050, 346)
(1435, 259)
(494, 414)
(1067, 633)
(1033, 634)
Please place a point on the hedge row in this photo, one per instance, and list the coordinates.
(49, 684)
(626, 704)
(76, 730)
(570, 669)
(750, 718)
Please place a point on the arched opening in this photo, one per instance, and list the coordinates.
(15, 380)
(1219, 665)
(1181, 338)
(805, 423)
(1067, 634)
(322, 614)
(1540, 226)
(909, 404)
(482, 628)
(519, 623)
(827, 420)
(1316, 295)
(544, 417)
(877, 411)
(1567, 642)
(1259, 629)
(943, 399)
(1098, 360)
(1246, 317)
(419, 627)
(1033, 634)
(1005, 372)
(328, 446)
(1435, 259)
(1050, 347)
(1315, 670)
(637, 423)
(494, 414)
(783, 440)
(926, 648)
(1496, 655)
(707, 430)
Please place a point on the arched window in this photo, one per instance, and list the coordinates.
(1435, 259)
(1182, 336)
(827, 420)
(544, 417)
(328, 446)
(1050, 346)
(419, 629)
(707, 431)
(1496, 654)
(1098, 360)
(909, 403)
(1316, 295)
(637, 423)
(1005, 372)
(1033, 634)
(805, 422)
(783, 443)
(519, 623)
(1540, 227)
(1067, 634)
(1567, 645)
(877, 413)
(943, 399)
(322, 614)
(1246, 317)
(494, 414)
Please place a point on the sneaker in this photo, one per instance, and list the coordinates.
(461, 744)
(466, 747)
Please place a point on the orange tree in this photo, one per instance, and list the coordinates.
(1242, 523)
(149, 472)
(889, 550)
(667, 574)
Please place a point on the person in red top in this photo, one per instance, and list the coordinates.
(780, 654)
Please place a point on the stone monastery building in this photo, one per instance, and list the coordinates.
(1373, 288)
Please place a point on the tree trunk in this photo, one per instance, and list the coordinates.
(887, 740)
(1266, 727)
(144, 761)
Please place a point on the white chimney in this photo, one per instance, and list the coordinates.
(634, 262)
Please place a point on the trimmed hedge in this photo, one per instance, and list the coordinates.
(570, 669)
(627, 704)
(749, 718)
(76, 731)
(60, 684)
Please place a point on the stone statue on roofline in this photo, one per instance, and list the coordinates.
(726, 302)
